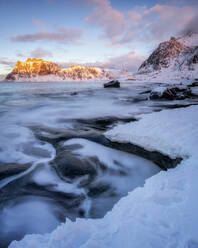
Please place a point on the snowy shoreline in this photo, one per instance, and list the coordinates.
(167, 200)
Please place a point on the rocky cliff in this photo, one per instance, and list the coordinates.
(33, 69)
(175, 54)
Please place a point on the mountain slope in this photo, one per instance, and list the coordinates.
(38, 69)
(175, 54)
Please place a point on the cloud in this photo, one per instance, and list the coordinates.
(6, 66)
(38, 23)
(19, 54)
(164, 21)
(112, 21)
(62, 35)
(7, 62)
(140, 23)
(40, 53)
(130, 61)
(192, 26)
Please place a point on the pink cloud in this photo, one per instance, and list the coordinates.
(7, 62)
(169, 20)
(140, 23)
(64, 35)
(38, 23)
(130, 61)
(40, 53)
(110, 19)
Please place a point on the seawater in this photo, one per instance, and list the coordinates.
(37, 200)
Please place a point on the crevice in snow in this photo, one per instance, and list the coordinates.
(160, 159)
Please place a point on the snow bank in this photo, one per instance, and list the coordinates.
(168, 76)
(171, 132)
(163, 213)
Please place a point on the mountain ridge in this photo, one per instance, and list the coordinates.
(176, 54)
(38, 68)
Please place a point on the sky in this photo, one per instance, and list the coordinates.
(106, 33)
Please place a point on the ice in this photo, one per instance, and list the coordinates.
(110, 158)
(163, 213)
(18, 144)
(20, 218)
(44, 176)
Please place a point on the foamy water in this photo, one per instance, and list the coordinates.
(38, 199)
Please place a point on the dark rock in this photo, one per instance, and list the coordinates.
(7, 170)
(98, 189)
(68, 165)
(10, 77)
(174, 106)
(195, 83)
(163, 161)
(174, 93)
(73, 93)
(163, 55)
(145, 92)
(112, 84)
(68, 200)
(102, 123)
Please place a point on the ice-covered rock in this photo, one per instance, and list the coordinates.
(170, 93)
(112, 84)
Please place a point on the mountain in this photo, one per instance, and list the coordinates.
(176, 55)
(39, 69)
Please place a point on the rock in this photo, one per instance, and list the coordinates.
(163, 161)
(173, 54)
(73, 93)
(112, 84)
(174, 93)
(163, 55)
(10, 77)
(102, 123)
(7, 170)
(98, 189)
(70, 166)
(195, 83)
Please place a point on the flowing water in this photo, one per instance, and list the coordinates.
(49, 171)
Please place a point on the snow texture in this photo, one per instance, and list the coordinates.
(161, 214)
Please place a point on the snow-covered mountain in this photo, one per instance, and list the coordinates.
(41, 70)
(173, 55)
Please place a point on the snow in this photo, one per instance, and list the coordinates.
(163, 213)
(189, 40)
(54, 78)
(168, 76)
(168, 131)
(178, 69)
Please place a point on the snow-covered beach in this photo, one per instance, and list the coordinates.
(45, 134)
(164, 209)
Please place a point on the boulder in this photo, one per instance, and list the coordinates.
(112, 84)
(195, 83)
(174, 93)
(70, 166)
(7, 170)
